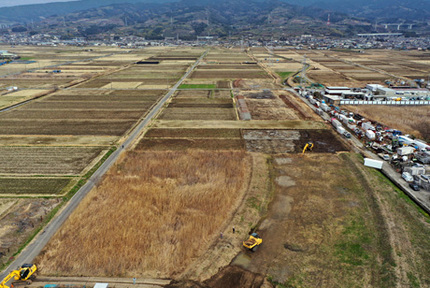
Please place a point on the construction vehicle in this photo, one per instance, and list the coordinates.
(253, 242)
(23, 273)
(309, 146)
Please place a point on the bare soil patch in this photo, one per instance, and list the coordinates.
(72, 114)
(65, 127)
(270, 109)
(176, 144)
(290, 141)
(227, 67)
(198, 114)
(20, 221)
(232, 74)
(89, 105)
(193, 133)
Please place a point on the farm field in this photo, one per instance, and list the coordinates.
(51, 146)
(198, 171)
(42, 161)
(34, 186)
(9, 99)
(340, 221)
(178, 188)
(332, 68)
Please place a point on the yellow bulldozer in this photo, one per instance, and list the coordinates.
(24, 274)
(253, 242)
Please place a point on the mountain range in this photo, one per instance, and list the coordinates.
(191, 18)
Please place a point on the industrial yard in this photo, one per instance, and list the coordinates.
(223, 157)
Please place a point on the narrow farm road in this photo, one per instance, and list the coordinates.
(40, 241)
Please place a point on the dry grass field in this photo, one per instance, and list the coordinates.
(346, 226)
(168, 207)
(409, 120)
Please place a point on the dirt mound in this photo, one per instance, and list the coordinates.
(234, 276)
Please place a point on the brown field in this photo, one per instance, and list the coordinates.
(269, 109)
(291, 141)
(193, 94)
(187, 196)
(409, 120)
(57, 140)
(41, 160)
(198, 114)
(229, 74)
(177, 144)
(89, 105)
(72, 114)
(193, 133)
(19, 186)
(125, 97)
(331, 78)
(94, 84)
(65, 127)
(34, 83)
(200, 101)
(228, 67)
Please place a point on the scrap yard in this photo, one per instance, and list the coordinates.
(213, 167)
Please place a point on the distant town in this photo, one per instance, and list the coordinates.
(360, 41)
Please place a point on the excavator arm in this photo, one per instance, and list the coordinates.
(13, 274)
(308, 146)
(25, 272)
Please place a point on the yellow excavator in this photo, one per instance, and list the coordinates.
(253, 242)
(23, 273)
(309, 146)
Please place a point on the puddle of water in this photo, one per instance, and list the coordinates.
(242, 260)
(285, 181)
(283, 161)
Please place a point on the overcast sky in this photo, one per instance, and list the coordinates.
(4, 3)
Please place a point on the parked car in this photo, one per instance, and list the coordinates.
(408, 177)
(414, 187)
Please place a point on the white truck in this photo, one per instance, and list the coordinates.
(370, 135)
(373, 163)
(367, 126)
(405, 151)
(325, 107)
(407, 177)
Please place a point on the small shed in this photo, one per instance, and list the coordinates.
(101, 285)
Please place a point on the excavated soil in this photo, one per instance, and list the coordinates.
(291, 141)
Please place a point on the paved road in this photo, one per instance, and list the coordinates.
(36, 246)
